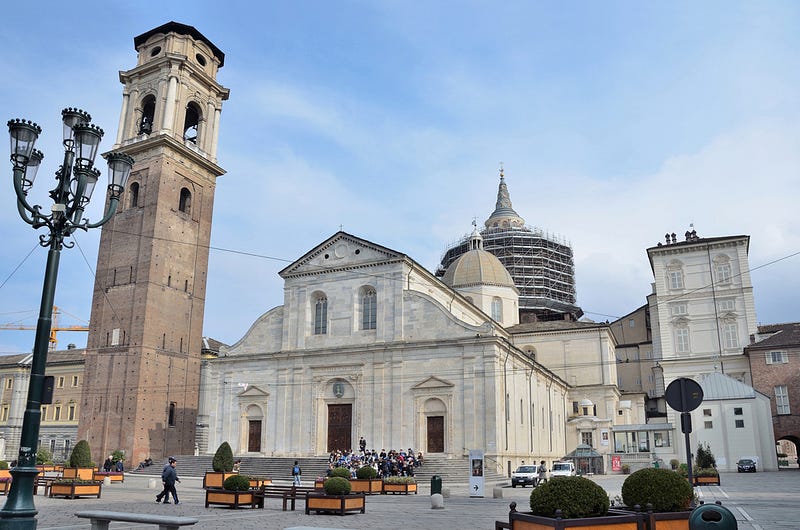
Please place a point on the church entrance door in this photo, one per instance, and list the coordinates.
(340, 426)
(436, 434)
(254, 437)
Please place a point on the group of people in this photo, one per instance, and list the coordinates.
(113, 465)
(386, 464)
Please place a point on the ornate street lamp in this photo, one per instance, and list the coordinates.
(75, 182)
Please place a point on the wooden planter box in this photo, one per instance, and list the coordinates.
(5, 473)
(366, 485)
(214, 479)
(615, 520)
(341, 504)
(256, 482)
(403, 489)
(5, 487)
(114, 476)
(318, 483)
(73, 490)
(667, 521)
(234, 499)
(83, 473)
(706, 481)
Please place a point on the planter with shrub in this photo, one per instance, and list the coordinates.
(235, 493)
(571, 502)
(705, 471)
(222, 464)
(336, 498)
(366, 481)
(80, 465)
(665, 494)
(402, 485)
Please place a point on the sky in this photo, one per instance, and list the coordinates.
(615, 122)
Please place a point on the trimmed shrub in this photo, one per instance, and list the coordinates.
(223, 459)
(400, 480)
(236, 483)
(705, 472)
(81, 455)
(336, 486)
(576, 497)
(118, 456)
(666, 490)
(366, 472)
(3, 464)
(341, 472)
(674, 463)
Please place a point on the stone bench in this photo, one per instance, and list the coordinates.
(100, 519)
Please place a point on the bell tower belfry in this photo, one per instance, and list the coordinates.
(142, 376)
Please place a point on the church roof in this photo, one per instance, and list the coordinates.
(503, 209)
(477, 267)
(181, 29)
(717, 386)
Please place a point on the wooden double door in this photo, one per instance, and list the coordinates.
(435, 434)
(340, 427)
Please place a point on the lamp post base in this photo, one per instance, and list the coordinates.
(19, 513)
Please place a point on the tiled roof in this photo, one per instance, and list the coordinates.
(783, 335)
(554, 325)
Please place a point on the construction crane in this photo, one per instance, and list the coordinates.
(54, 328)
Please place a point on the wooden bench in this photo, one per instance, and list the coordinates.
(286, 493)
(100, 519)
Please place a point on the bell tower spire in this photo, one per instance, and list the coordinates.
(142, 374)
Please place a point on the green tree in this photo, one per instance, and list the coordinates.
(81, 455)
(44, 456)
(704, 458)
(223, 458)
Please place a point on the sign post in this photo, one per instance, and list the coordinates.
(476, 473)
(684, 395)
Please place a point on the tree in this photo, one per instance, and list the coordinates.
(81, 455)
(223, 458)
(704, 458)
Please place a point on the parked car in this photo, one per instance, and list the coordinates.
(563, 469)
(746, 465)
(524, 475)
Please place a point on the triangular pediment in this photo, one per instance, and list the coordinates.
(433, 382)
(340, 251)
(251, 391)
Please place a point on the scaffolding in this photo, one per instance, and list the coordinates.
(541, 266)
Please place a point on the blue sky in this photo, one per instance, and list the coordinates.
(616, 122)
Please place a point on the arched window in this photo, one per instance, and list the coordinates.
(320, 314)
(185, 203)
(133, 191)
(369, 308)
(148, 115)
(497, 309)
(191, 122)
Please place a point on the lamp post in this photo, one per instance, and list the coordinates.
(75, 182)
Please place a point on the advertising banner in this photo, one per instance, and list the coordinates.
(476, 473)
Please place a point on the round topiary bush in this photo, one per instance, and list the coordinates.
(366, 472)
(3, 464)
(576, 497)
(666, 490)
(223, 459)
(336, 486)
(236, 483)
(81, 455)
(341, 472)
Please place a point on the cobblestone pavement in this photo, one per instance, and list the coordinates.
(760, 501)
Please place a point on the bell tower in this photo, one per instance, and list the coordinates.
(142, 376)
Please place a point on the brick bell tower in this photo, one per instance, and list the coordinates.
(142, 374)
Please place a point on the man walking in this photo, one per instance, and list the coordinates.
(296, 472)
(169, 476)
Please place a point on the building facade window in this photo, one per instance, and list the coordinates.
(730, 334)
(71, 413)
(708, 425)
(723, 269)
(782, 399)
(675, 275)
(737, 411)
(586, 438)
(679, 309)
(171, 417)
(75, 380)
(4, 413)
(740, 424)
(497, 309)
(320, 314)
(777, 357)
(133, 194)
(9, 383)
(57, 413)
(727, 305)
(682, 339)
(185, 201)
(369, 308)
(60, 382)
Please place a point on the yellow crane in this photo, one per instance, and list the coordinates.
(54, 328)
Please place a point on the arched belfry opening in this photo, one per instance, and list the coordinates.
(191, 123)
(148, 115)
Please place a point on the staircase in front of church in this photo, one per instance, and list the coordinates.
(452, 470)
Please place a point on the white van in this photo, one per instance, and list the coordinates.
(563, 469)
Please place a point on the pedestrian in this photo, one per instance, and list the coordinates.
(108, 464)
(237, 465)
(169, 477)
(296, 472)
(362, 444)
(542, 472)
